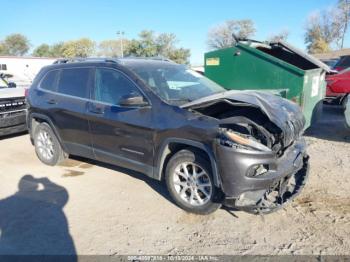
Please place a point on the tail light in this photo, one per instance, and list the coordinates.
(26, 92)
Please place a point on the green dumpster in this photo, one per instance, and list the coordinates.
(273, 66)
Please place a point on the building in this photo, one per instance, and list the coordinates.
(23, 69)
(333, 54)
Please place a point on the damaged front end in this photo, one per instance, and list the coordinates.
(278, 194)
(260, 152)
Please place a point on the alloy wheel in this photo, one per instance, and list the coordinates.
(192, 184)
(45, 145)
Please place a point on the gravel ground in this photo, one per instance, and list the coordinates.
(85, 207)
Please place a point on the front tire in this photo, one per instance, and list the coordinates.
(47, 146)
(190, 183)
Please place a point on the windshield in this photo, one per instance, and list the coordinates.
(175, 83)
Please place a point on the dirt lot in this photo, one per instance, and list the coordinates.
(89, 208)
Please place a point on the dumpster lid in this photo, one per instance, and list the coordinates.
(301, 53)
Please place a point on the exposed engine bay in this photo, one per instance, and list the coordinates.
(247, 121)
(254, 120)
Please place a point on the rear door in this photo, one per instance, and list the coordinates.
(121, 135)
(68, 105)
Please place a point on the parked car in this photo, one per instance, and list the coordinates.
(211, 146)
(12, 108)
(338, 86)
(342, 63)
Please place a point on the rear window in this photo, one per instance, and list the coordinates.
(50, 80)
(74, 82)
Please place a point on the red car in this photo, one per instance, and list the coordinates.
(338, 85)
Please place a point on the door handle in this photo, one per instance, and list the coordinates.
(96, 110)
(51, 101)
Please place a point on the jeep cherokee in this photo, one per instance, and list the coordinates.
(242, 149)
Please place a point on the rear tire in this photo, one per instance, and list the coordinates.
(190, 183)
(47, 146)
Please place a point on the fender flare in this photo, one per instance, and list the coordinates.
(164, 151)
(45, 118)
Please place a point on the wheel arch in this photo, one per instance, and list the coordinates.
(35, 119)
(173, 145)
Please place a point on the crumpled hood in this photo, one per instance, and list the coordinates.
(279, 110)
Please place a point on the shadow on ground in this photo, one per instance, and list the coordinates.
(32, 221)
(13, 135)
(158, 186)
(330, 125)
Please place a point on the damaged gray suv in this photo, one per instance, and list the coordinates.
(211, 146)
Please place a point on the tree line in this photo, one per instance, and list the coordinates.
(148, 44)
(221, 35)
(324, 30)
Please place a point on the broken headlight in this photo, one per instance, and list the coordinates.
(246, 141)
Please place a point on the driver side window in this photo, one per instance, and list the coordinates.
(111, 86)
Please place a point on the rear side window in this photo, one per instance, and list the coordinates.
(50, 80)
(74, 82)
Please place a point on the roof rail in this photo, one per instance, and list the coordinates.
(89, 59)
(160, 58)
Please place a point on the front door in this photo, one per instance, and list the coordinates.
(121, 135)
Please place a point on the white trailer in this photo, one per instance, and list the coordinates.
(23, 69)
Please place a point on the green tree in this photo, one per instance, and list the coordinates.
(165, 44)
(280, 36)
(323, 30)
(15, 45)
(45, 50)
(112, 48)
(150, 44)
(42, 50)
(2, 49)
(56, 50)
(220, 36)
(83, 47)
(145, 46)
(179, 55)
(319, 46)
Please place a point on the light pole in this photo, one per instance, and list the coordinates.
(120, 34)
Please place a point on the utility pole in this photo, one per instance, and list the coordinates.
(121, 34)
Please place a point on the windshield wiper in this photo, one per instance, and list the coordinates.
(180, 99)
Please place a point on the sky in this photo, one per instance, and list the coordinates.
(50, 21)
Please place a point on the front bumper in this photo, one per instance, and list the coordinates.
(12, 122)
(235, 164)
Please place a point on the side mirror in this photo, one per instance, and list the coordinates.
(133, 100)
(12, 85)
